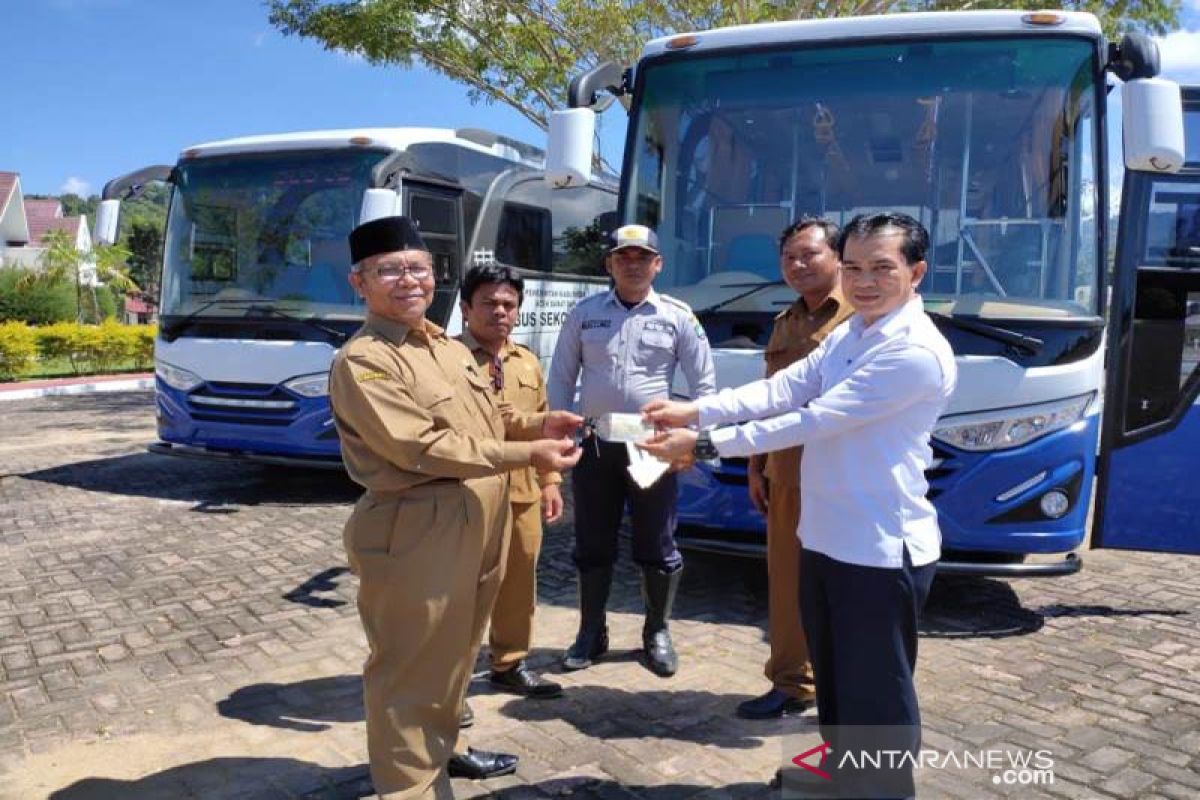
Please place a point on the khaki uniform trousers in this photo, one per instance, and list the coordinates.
(429, 561)
(788, 667)
(511, 633)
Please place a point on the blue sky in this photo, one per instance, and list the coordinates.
(106, 86)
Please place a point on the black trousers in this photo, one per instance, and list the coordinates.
(603, 489)
(861, 624)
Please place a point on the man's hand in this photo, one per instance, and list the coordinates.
(554, 455)
(759, 488)
(561, 424)
(670, 413)
(671, 446)
(552, 503)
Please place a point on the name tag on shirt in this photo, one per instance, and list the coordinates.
(589, 324)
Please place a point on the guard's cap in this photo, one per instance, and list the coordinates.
(384, 235)
(634, 236)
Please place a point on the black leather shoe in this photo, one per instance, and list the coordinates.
(773, 705)
(467, 717)
(524, 681)
(480, 764)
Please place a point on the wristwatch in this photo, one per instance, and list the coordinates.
(705, 450)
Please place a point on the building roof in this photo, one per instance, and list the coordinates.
(45, 215)
(7, 181)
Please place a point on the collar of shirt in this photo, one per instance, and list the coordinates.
(397, 332)
(506, 351)
(833, 302)
(651, 298)
(891, 323)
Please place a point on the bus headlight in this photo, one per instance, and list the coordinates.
(309, 385)
(1010, 427)
(177, 378)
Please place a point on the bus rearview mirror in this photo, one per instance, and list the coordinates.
(1152, 124)
(377, 203)
(107, 216)
(569, 148)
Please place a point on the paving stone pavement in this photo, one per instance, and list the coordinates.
(173, 628)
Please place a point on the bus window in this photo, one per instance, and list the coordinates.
(555, 230)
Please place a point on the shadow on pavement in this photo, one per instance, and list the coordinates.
(270, 778)
(230, 779)
(216, 487)
(602, 712)
(324, 581)
(968, 606)
(691, 715)
(305, 706)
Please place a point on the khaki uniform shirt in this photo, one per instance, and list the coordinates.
(523, 388)
(796, 333)
(411, 407)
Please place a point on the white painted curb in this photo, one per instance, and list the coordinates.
(132, 384)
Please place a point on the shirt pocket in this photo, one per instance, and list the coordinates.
(438, 399)
(528, 391)
(595, 342)
(655, 350)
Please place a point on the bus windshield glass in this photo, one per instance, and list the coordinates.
(264, 235)
(990, 142)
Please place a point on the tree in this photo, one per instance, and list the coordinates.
(62, 261)
(144, 242)
(524, 54)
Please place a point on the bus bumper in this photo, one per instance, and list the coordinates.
(981, 535)
(263, 424)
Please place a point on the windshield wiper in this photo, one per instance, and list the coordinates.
(339, 336)
(171, 330)
(1030, 345)
(756, 288)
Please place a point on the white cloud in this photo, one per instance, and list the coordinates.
(74, 185)
(1180, 53)
(259, 38)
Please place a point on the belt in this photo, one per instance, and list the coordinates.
(392, 494)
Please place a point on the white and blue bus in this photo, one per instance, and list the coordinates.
(989, 127)
(255, 298)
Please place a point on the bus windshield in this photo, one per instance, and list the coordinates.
(264, 234)
(992, 143)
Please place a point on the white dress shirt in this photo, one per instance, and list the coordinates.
(863, 405)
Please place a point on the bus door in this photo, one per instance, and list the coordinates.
(1149, 473)
(437, 210)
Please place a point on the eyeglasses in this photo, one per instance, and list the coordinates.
(391, 274)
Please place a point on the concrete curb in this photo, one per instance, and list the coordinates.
(72, 386)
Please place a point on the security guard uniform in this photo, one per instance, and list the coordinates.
(522, 387)
(796, 333)
(624, 357)
(421, 432)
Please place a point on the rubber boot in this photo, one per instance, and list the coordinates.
(592, 639)
(658, 590)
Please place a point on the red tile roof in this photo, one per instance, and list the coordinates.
(136, 305)
(45, 216)
(7, 181)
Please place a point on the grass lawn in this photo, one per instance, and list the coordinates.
(61, 367)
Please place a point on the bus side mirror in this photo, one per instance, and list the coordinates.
(378, 203)
(107, 216)
(569, 148)
(1152, 122)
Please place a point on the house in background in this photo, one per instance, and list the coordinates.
(25, 223)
